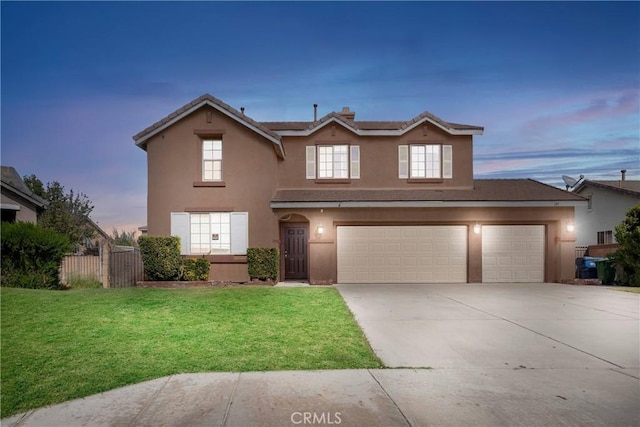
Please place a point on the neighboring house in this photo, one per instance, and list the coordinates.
(608, 203)
(18, 202)
(100, 237)
(349, 201)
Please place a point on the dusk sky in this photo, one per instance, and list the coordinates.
(556, 85)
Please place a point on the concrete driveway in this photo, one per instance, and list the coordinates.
(529, 353)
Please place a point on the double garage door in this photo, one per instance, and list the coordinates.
(437, 254)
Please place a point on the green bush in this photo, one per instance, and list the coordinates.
(195, 269)
(31, 256)
(628, 256)
(161, 257)
(263, 263)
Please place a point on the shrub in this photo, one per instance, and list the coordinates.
(263, 263)
(161, 257)
(195, 269)
(31, 256)
(628, 236)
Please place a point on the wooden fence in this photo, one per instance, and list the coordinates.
(115, 267)
(80, 266)
(125, 268)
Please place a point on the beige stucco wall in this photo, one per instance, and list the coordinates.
(559, 251)
(378, 159)
(249, 174)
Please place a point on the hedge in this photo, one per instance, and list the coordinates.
(31, 256)
(161, 257)
(195, 269)
(263, 263)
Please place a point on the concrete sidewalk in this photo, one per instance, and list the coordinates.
(381, 397)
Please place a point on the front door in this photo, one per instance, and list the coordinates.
(295, 252)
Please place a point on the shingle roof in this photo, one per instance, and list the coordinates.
(271, 129)
(11, 180)
(485, 190)
(371, 125)
(630, 187)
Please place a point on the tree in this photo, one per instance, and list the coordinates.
(124, 238)
(628, 236)
(67, 212)
(35, 185)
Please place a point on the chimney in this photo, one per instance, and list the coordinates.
(624, 174)
(315, 112)
(347, 114)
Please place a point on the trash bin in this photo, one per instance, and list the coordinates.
(606, 271)
(586, 267)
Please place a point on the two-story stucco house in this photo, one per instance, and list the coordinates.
(608, 203)
(349, 201)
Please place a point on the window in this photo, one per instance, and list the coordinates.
(333, 162)
(425, 161)
(590, 202)
(212, 160)
(605, 237)
(211, 233)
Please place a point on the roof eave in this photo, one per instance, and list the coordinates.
(622, 190)
(142, 140)
(381, 132)
(427, 204)
(39, 203)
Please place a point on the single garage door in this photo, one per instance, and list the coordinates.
(402, 254)
(513, 253)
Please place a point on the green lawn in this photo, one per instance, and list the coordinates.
(60, 345)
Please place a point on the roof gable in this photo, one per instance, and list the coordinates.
(12, 182)
(382, 128)
(143, 136)
(629, 187)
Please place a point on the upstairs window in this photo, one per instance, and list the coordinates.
(212, 160)
(425, 161)
(333, 162)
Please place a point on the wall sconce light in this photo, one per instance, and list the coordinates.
(320, 230)
(477, 228)
(571, 227)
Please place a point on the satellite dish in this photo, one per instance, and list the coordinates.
(571, 182)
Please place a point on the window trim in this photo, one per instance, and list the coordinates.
(405, 164)
(203, 161)
(353, 162)
(333, 162)
(181, 226)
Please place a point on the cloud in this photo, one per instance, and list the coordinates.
(569, 113)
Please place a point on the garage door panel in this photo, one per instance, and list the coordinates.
(513, 253)
(402, 254)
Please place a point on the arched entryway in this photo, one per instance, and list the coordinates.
(294, 247)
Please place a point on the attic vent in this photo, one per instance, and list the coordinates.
(347, 114)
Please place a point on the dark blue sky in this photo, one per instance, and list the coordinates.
(556, 85)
